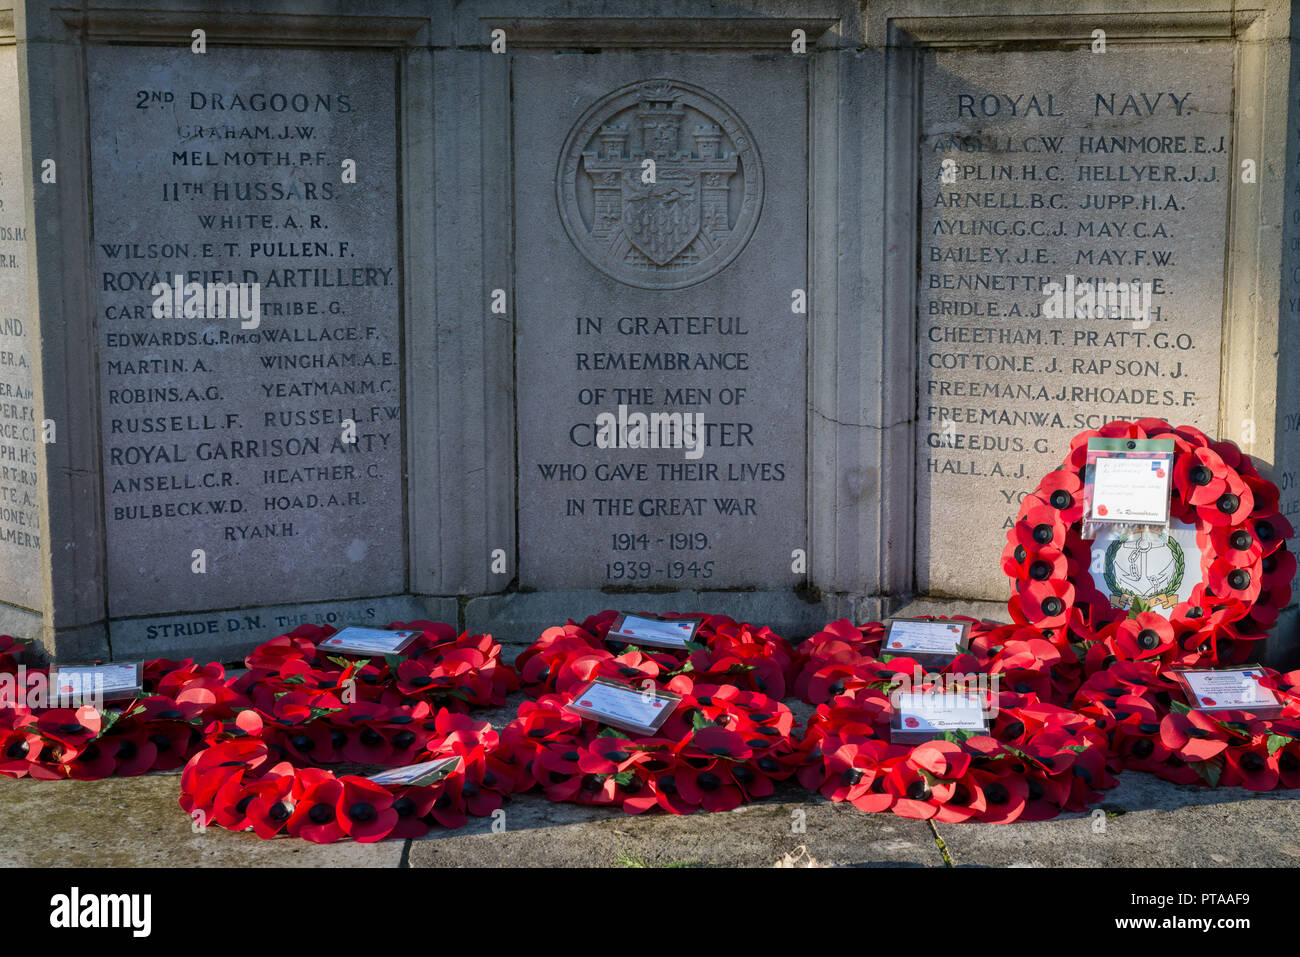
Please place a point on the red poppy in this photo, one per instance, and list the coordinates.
(315, 815)
(364, 810)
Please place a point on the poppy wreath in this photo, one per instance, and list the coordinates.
(239, 783)
(1245, 568)
(844, 657)
(309, 708)
(1151, 729)
(157, 731)
(723, 651)
(721, 747)
(1040, 758)
(439, 668)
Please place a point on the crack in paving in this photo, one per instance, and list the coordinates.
(943, 848)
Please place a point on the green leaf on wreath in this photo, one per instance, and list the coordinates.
(698, 721)
(624, 778)
(610, 733)
(393, 661)
(959, 735)
(1179, 708)
(1211, 770)
(347, 662)
(1276, 742)
(110, 718)
(694, 646)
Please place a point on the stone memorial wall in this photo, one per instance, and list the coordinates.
(661, 371)
(20, 517)
(1107, 177)
(231, 436)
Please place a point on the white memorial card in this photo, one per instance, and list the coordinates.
(921, 714)
(1233, 689)
(106, 682)
(417, 775)
(642, 710)
(355, 640)
(1127, 489)
(653, 632)
(922, 638)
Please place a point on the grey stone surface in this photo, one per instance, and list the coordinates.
(20, 525)
(672, 298)
(138, 822)
(1104, 167)
(227, 435)
(1144, 822)
(539, 833)
(229, 635)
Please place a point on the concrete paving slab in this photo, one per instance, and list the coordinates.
(137, 822)
(540, 833)
(1147, 823)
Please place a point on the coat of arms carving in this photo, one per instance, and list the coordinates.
(660, 184)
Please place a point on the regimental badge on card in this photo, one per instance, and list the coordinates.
(417, 775)
(920, 715)
(1228, 689)
(103, 682)
(653, 631)
(355, 640)
(926, 640)
(640, 710)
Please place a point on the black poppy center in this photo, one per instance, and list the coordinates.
(1020, 553)
(404, 807)
(280, 811)
(1052, 605)
(171, 714)
(1252, 761)
(403, 739)
(302, 742)
(997, 793)
(1241, 540)
(1228, 503)
(1239, 578)
(1061, 499)
(16, 751)
(371, 738)
(708, 781)
(919, 790)
(72, 728)
(1042, 533)
(423, 681)
(1143, 748)
(850, 777)
(1148, 638)
(1200, 475)
(1039, 570)
(361, 812)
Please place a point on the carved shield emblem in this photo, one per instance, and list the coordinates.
(661, 218)
(702, 208)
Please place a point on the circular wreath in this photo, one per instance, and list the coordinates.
(721, 747)
(1152, 730)
(1221, 509)
(157, 731)
(1038, 759)
(723, 651)
(309, 707)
